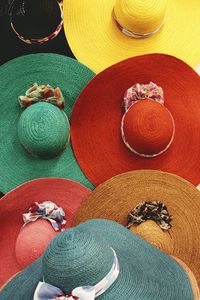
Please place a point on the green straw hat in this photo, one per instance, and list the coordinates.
(35, 141)
(84, 255)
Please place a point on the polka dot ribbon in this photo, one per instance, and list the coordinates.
(46, 210)
(42, 93)
(155, 211)
(45, 291)
(142, 91)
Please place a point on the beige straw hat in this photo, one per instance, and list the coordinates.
(116, 198)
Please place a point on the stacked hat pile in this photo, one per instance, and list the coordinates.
(100, 171)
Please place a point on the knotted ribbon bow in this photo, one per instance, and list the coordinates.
(45, 291)
(42, 93)
(46, 210)
(155, 210)
(142, 91)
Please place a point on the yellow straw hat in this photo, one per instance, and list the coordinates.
(103, 32)
(116, 198)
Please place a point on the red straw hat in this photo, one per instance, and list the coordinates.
(21, 245)
(142, 113)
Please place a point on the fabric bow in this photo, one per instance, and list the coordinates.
(46, 210)
(142, 91)
(42, 93)
(45, 291)
(155, 210)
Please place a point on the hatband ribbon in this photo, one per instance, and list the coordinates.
(45, 291)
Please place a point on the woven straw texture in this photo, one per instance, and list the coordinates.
(115, 199)
(64, 193)
(16, 165)
(104, 44)
(145, 272)
(97, 115)
(42, 138)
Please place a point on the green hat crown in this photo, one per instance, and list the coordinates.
(76, 258)
(43, 130)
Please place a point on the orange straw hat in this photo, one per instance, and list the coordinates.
(141, 113)
(135, 197)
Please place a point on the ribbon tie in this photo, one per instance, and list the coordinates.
(142, 91)
(46, 210)
(45, 291)
(155, 210)
(42, 93)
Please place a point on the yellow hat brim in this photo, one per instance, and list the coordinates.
(97, 42)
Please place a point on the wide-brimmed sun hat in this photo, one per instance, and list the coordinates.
(161, 207)
(31, 215)
(101, 259)
(142, 113)
(103, 32)
(35, 131)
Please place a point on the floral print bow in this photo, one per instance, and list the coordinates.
(46, 210)
(142, 91)
(42, 93)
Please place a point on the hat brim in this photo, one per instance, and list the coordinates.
(116, 198)
(104, 44)
(138, 260)
(16, 165)
(97, 114)
(64, 193)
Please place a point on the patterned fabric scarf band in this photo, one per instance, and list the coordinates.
(46, 210)
(142, 91)
(42, 93)
(134, 34)
(155, 211)
(45, 291)
(39, 40)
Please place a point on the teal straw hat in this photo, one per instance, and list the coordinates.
(84, 255)
(35, 139)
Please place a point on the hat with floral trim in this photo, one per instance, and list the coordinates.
(31, 215)
(142, 113)
(160, 207)
(38, 92)
(101, 259)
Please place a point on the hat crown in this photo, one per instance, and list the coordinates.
(76, 258)
(148, 128)
(140, 16)
(43, 130)
(151, 232)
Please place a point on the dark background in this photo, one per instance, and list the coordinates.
(11, 46)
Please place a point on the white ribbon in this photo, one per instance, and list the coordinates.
(45, 291)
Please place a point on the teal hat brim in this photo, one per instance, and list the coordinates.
(16, 76)
(145, 272)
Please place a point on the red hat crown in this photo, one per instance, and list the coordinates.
(147, 128)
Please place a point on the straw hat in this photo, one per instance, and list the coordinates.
(101, 33)
(31, 145)
(142, 113)
(31, 215)
(101, 259)
(116, 198)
